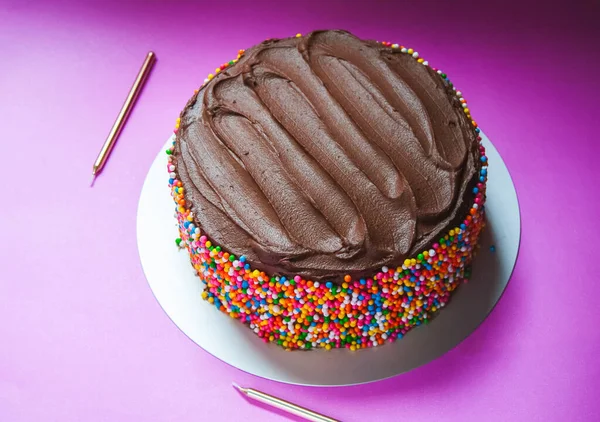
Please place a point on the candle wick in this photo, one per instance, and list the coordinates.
(237, 387)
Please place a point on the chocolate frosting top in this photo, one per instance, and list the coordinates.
(326, 155)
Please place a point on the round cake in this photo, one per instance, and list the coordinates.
(328, 189)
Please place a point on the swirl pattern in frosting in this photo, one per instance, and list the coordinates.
(325, 155)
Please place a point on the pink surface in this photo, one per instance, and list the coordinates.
(82, 337)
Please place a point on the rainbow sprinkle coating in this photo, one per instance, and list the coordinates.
(301, 314)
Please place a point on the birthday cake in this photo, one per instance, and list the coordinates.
(329, 190)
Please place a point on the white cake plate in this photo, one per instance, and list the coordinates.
(178, 290)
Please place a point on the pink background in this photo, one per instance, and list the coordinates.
(82, 337)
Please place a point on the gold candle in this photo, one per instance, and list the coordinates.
(284, 405)
(134, 92)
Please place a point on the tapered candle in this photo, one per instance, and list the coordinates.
(284, 405)
(134, 92)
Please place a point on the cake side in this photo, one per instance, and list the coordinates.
(325, 156)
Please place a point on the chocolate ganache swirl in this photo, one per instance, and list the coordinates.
(326, 155)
